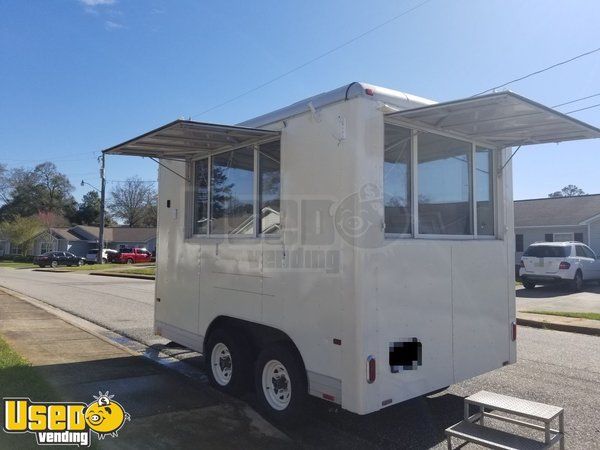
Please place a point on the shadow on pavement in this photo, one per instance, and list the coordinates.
(556, 290)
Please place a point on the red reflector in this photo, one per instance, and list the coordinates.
(369, 91)
(514, 331)
(329, 397)
(564, 265)
(337, 341)
(371, 369)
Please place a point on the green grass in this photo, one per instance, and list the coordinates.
(93, 267)
(578, 315)
(16, 265)
(138, 271)
(19, 379)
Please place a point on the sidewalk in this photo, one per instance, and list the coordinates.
(167, 409)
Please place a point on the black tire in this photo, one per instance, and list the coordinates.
(296, 376)
(54, 264)
(104, 260)
(577, 283)
(42, 265)
(130, 261)
(80, 263)
(528, 284)
(240, 361)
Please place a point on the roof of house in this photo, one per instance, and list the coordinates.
(111, 234)
(61, 233)
(120, 234)
(556, 210)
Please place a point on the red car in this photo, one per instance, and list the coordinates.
(133, 255)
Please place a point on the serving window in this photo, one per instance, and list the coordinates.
(434, 185)
(237, 193)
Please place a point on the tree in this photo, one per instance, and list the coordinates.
(4, 184)
(42, 189)
(134, 201)
(21, 231)
(568, 191)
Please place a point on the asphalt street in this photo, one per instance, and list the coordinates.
(559, 298)
(123, 305)
(553, 367)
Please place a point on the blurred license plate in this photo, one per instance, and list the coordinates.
(540, 262)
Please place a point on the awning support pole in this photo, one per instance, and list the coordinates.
(168, 168)
(508, 160)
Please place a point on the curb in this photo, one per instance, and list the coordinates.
(558, 326)
(124, 275)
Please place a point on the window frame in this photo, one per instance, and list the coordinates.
(190, 201)
(414, 177)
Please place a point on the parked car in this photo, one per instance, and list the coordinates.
(133, 255)
(551, 262)
(55, 259)
(108, 255)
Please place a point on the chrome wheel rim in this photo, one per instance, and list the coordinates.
(221, 364)
(276, 384)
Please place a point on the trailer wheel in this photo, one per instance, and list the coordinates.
(228, 361)
(280, 381)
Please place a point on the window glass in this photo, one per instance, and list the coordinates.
(232, 187)
(484, 193)
(579, 251)
(269, 188)
(201, 197)
(548, 251)
(589, 253)
(396, 179)
(444, 183)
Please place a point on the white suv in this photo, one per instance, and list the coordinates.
(547, 262)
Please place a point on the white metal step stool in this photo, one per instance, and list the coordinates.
(470, 431)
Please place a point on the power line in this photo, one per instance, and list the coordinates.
(576, 100)
(537, 72)
(312, 60)
(583, 109)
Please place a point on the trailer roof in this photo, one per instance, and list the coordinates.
(502, 119)
(184, 138)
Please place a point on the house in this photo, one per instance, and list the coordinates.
(80, 239)
(557, 219)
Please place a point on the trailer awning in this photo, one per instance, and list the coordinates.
(182, 139)
(502, 119)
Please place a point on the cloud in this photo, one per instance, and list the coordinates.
(97, 2)
(110, 25)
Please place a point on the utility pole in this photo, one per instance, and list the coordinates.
(102, 204)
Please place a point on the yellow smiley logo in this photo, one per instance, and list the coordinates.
(105, 416)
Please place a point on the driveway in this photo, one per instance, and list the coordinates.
(559, 298)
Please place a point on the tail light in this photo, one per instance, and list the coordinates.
(564, 265)
(522, 264)
(371, 369)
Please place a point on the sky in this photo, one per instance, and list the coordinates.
(79, 76)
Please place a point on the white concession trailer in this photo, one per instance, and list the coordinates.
(356, 246)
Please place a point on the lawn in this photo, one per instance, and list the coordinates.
(94, 267)
(137, 271)
(578, 315)
(19, 379)
(16, 265)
